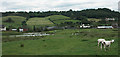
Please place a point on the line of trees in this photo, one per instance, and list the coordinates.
(100, 13)
(88, 13)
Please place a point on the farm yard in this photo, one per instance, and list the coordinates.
(63, 42)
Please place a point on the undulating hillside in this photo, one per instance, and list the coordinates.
(50, 20)
(13, 21)
(39, 21)
(16, 21)
(58, 19)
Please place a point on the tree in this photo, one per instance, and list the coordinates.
(34, 28)
(24, 23)
(9, 20)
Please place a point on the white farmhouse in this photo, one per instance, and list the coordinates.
(20, 30)
(85, 26)
(2, 28)
(109, 19)
(14, 29)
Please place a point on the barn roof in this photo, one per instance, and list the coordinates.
(2, 26)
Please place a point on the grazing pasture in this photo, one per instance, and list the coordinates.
(82, 42)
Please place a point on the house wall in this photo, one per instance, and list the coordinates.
(3, 29)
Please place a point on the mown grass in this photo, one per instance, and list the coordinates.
(17, 21)
(64, 43)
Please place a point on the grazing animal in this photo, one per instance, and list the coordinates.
(100, 41)
(107, 44)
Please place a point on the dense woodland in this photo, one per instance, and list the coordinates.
(88, 13)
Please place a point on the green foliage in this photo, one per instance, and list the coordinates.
(63, 21)
(94, 20)
(88, 13)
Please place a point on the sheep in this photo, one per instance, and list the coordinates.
(100, 41)
(107, 44)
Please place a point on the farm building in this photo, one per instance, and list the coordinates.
(2, 28)
(22, 29)
(104, 27)
(25, 29)
(110, 19)
(14, 29)
(85, 26)
(55, 27)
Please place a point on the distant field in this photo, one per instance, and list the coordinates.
(50, 20)
(17, 21)
(64, 43)
(94, 20)
(57, 17)
(39, 21)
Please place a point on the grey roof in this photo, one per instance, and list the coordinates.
(2, 26)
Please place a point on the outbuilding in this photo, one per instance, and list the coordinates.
(2, 28)
(14, 29)
(104, 27)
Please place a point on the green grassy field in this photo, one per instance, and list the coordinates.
(64, 43)
(39, 21)
(17, 21)
(33, 21)
(57, 17)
